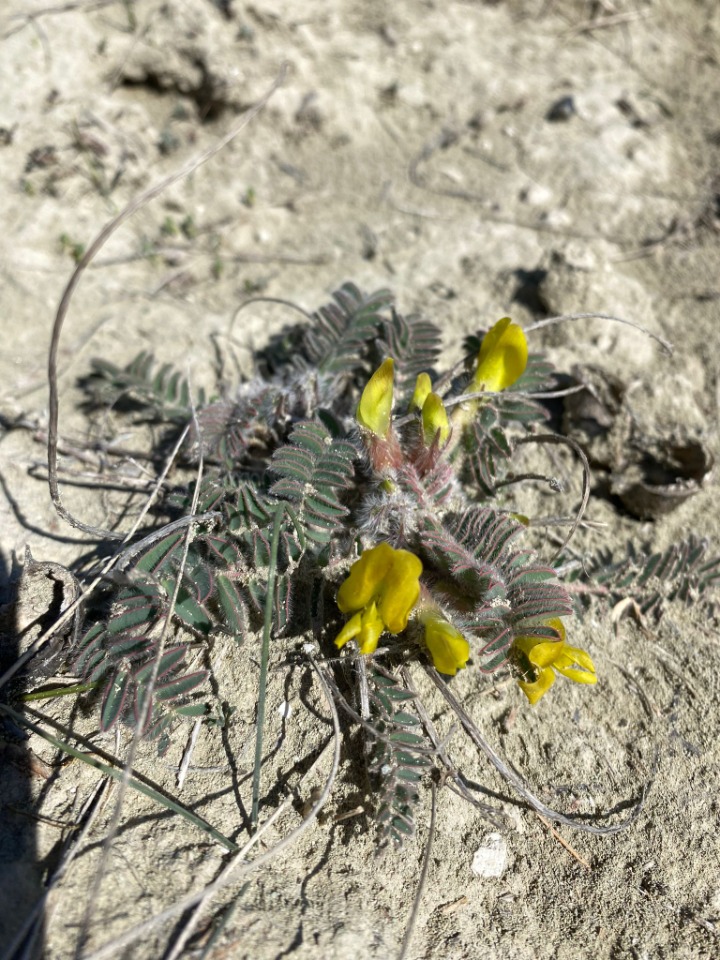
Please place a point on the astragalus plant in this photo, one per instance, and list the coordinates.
(355, 494)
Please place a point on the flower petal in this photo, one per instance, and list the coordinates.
(448, 648)
(423, 387)
(576, 664)
(400, 590)
(375, 405)
(365, 578)
(540, 653)
(534, 691)
(372, 627)
(502, 358)
(349, 631)
(434, 419)
(546, 653)
(543, 653)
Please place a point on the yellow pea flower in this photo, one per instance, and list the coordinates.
(548, 657)
(382, 588)
(448, 648)
(366, 626)
(502, 358)
(423, 387)
(375, 405)
(434, 418)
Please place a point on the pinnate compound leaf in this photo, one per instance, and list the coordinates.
(414, 344)
(314, 467)
(340, 333)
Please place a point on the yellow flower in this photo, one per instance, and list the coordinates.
(423, 387)
(434, 419)
(502, 358)
(375, 405)
(550, 656)
(448, 648)
(382, 588)
(366, 626)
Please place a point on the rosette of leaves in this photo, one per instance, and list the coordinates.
(287, 487)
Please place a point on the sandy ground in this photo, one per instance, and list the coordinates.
(527, 157)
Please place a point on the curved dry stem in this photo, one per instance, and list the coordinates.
(422, 883)
(235, 868)
(123, 559)
(560, 521)
(74, 607)
(451, 772)
(516, 781)
(93, 249)
(542, 395)
(538, 325)
(522, 477)
(556, 438)
(551, 321)
(280, 300)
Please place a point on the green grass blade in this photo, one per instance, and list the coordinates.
(118, 774)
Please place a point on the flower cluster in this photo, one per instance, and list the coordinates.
(380, 592)
(501, 362)
(384, 586)
(382, 589)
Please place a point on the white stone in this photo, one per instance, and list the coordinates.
(491, 858)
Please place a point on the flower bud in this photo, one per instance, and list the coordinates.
(502, 358)
(375, 405)
(434, 420)
(423, 387)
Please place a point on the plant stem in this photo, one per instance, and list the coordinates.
(264, 659)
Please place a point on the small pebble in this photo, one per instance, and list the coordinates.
(562, 110)
(490, 859)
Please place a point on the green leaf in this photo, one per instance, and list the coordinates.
(156, 556)
(192, 710)
(411, 776)
(131, 614)
(405, 737)
(181, 686)
(232, 605)
(341, 332)
(405, 718)
(313, 467)
(114, 699)
(192, 613)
